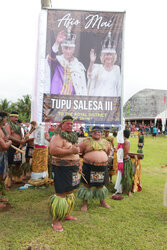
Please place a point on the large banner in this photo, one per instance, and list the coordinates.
(79, 70)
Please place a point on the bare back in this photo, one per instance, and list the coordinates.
(126, 148)
(4, 144)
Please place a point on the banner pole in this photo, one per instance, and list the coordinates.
(122, 76)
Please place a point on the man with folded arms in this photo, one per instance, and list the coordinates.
(95, 151)
(65, 166)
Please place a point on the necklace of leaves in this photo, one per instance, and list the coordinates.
(69, 136)
(15, 127)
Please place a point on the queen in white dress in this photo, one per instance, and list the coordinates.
(104, 79)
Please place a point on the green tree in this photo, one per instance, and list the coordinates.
(13, 107)
(5, 105)
(23, 106)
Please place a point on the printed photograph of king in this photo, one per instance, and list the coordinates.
(67, 73)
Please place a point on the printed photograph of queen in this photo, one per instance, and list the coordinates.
(104, 79)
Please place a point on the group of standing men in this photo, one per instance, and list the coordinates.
(66, 166)
(11, 138)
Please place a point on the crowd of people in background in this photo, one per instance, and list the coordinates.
(147, 129)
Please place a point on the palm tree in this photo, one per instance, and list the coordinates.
(5, 105)
(24, 108)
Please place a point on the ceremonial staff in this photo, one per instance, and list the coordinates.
(18, 149)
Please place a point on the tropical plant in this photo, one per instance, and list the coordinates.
(4, 105)
(22, 106)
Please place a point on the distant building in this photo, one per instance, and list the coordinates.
(148, 106)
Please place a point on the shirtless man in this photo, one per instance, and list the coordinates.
(13, 130)
(127, 176)
(95, 152)
(29, 136)
(112, 161)
(125, 173)
(4, 145)
(65, 165)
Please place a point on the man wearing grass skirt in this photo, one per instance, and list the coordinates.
(125, 171)
(127, 176)
(95, 151)
(65, 165)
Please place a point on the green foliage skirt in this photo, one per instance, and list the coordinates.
(127, 177)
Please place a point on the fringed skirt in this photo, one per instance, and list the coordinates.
(127, 177)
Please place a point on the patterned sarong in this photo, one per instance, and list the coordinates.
(95, 175)
(66, 178)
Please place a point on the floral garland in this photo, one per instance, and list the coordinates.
(69, 136)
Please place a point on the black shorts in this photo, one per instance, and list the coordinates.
(95, 175)
(140, 145)
(66, 178)
(29, 151)
(2, 164)
(13, 157)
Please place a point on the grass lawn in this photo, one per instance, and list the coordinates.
(138, 222)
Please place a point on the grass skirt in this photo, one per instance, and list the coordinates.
(101, 193)
(89, 194)
(127, 177)
(140, 151)
(85, 194)
(61, 207)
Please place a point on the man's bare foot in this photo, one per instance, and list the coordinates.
(103, 204)
(111, 179)
(2, 205)
(70, 218)
(57, 226)
(3, 200)
(130, 194)
(84, 206)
